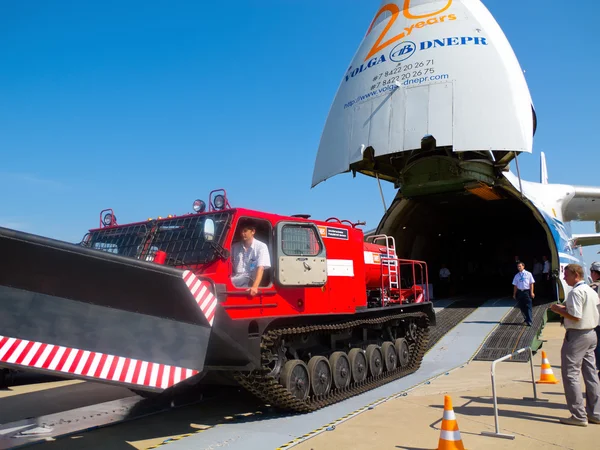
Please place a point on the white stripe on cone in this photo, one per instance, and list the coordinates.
(546, 371)
(449, 415)
(450, 435)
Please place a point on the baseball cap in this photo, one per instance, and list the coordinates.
(595, 266)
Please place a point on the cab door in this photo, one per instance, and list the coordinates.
(301, 258)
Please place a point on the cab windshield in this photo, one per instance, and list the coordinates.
(181, 238)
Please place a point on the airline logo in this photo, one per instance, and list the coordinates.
(404, 50)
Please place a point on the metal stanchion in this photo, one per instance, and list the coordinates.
(535, 397)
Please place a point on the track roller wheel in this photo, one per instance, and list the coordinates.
(375, 359)
(403, 352)
(358, 364)
(412, 331)
(295, 378)
(340, 368)
(390, 358)
(320, 375)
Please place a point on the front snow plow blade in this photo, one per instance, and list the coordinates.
(83, 313)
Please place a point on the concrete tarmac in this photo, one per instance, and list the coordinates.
(412, 422)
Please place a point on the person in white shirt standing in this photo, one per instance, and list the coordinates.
(523, 292)
(581, 315)
(250, 258)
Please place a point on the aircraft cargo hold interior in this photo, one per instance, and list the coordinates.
(476, 239)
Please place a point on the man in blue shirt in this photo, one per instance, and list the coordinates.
(523, 291)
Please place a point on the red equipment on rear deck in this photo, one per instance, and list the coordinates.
(390, 280)
(151, 304)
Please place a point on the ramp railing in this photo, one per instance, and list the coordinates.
(535, 397)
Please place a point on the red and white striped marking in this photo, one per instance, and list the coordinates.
(201, 292)
(90, 364)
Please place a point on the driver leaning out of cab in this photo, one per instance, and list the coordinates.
(250, 258)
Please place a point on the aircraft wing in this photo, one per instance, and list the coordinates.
(585, 240)
(583, 205)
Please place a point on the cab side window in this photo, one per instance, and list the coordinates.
(299, 240)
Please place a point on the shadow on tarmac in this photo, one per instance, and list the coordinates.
(10, 378)
(62, 398)
(219, 405)
(412, 448)
(477, 411)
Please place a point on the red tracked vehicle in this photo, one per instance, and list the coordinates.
(150, 305)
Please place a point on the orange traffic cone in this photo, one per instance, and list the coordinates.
(449, 435)
(547, 376)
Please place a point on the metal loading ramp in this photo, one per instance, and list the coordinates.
(511, 334)
(451, 316)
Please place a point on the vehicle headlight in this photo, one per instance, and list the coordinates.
(199, 206)
(219, 201)
(108, 219)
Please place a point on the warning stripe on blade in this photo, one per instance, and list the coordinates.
(201, 292)
(21, 352)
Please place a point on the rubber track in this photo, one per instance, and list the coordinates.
(511, 335)
(451, 316)
(268, 389)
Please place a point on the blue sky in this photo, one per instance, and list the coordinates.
(145, 107)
